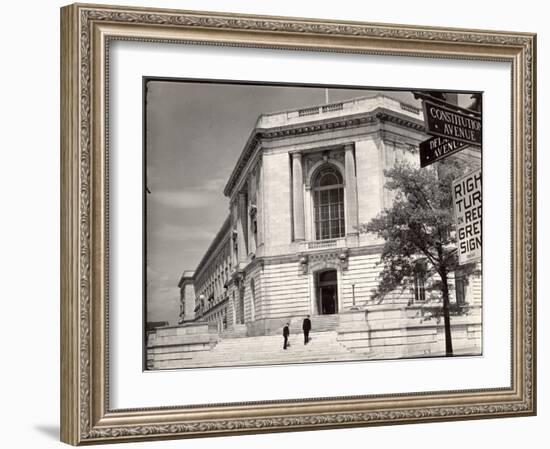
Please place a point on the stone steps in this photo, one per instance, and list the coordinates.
(236, 331)
(263, 350)
(282, 360)
(320, 323)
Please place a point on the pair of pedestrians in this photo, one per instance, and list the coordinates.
(306, 327)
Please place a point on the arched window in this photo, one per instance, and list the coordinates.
(328, 200)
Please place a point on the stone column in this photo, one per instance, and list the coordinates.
(351, 191)
(260, 201)
(242, 226)
(298, 196)
(251, 245)
(232, 247)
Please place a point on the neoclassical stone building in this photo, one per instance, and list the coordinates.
(290, 244)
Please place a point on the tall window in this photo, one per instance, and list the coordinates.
(460, 290)
(253, 212)
(328, 199)
(420, 282)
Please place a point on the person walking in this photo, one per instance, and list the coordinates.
(286, 333)
(306, 327)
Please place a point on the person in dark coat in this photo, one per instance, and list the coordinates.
(306, 327)
(286, 333)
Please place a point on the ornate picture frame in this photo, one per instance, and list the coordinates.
(87, 32)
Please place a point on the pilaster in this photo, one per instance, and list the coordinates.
(351, 191)
(242, 225)
(298, 197)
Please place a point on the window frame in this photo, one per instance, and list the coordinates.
(334, 217)
(419, 282)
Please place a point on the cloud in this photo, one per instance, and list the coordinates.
(174, 243)
(184, 233)
(214, 184)
(184, 199)
(156, 276)
(163, 304)
(162, 297)
(196, 197)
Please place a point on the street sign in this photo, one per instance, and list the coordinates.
(436, 148)
(467, 211)
(445, 121)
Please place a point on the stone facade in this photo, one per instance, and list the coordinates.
(305, 181)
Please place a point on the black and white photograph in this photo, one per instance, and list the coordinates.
(275, 224)
(293, 224)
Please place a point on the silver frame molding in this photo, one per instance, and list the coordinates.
(86, 31)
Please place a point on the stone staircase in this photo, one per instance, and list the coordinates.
(382, 332)
(263, 350)
(236, 331)
(323, 323)
(319, 323)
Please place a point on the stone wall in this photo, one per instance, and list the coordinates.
(168, 344)
(277, 215)
(362, 272)
(285, 291)
(392, 331)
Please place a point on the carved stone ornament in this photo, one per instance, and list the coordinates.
(343, 258)
(303, 260)
(327, 156)
(86, 416)
(328, 260)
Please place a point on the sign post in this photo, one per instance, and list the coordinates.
(436, 148)
(445, 121)
(451, 127)
(466, 193)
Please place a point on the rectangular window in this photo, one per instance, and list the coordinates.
(420, 284)
(329, 213)
(460, 291)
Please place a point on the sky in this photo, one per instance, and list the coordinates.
(195, 133)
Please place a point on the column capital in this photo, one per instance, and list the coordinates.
(349, 146)
(296, 155)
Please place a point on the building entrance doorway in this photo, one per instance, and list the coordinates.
(327, 292)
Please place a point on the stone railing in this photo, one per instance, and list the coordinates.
(332, 107)
(353, 106)
(308, 111)
(318, 109)
(410, 108)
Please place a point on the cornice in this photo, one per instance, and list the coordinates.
(379, 115)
